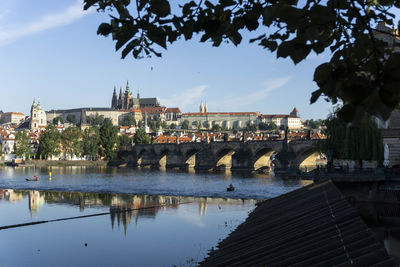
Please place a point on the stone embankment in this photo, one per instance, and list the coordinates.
(65, 163)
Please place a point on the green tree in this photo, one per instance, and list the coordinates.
(124, 140)
(362, 71)
(314, 124)
(58, 119)
(267, 126)
(71, 140)
(71, 118)
(129, 120)
(250, 127)
(153, 125)
(22, 146)
(282, 127)
(141, 137)
(272, 126)
(91, 142)
(185, 125)
(109, 139)
(49, 142)
(96, 120)
(361, 141)
(172, 126)
(216, 128)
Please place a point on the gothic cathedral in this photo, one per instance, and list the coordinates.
(125, 100)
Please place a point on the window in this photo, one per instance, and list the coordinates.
(34, 115)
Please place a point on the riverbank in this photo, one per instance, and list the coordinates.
(64, 163)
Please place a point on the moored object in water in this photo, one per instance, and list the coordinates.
(230, 188)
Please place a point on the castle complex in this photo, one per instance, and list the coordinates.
(122, 105)
(239, 120)
(125, 101)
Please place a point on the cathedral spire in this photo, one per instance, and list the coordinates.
(114, 100)
(205, 108)
(201, 107)
(127, 86)
(138, 95)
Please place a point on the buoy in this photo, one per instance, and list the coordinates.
(50, 176)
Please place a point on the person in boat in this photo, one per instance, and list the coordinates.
(230, 188)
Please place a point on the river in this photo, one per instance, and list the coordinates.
(151, 218)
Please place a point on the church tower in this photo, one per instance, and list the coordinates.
(205, 108)
(201, 107)
(128, 103)
(38, 117)
(114, 101)
(120, 98)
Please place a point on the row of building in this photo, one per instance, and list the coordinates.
(145, 109)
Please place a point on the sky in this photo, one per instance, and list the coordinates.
(49, 50)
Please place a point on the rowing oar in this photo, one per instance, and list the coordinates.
(83, 216)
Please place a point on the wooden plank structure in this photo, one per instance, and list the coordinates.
(311, 226)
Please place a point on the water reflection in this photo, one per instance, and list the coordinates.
(123, 208)
(134, 227)
(148, 182)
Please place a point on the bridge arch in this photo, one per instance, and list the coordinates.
(190, 157)
(309, 159)
(162, 157)
(139, 155)
(262, 158)
(224, 158)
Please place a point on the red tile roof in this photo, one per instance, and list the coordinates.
(13, 113)
(220, 113)
(173, 110)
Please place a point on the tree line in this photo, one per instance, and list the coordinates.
(94, 142)
(250, 127)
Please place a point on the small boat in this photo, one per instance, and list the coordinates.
(32, 179)
(230, 188)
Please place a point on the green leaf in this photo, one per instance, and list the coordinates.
(104, 29)
(236, 38)
(285, 49)
(128, 48)
(321, 14)
(315, 95)
(299, 53)
(226, 3)
(158, 36)
(271, 45)
(186, 10)
(160, 7)
(322, 74)
(126, 32)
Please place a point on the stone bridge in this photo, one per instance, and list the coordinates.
(236, 156)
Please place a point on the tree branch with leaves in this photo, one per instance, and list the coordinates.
(362, 73)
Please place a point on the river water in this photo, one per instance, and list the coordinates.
(151, 218)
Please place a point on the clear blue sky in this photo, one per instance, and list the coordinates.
(49, 50)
